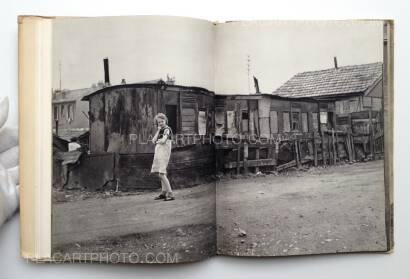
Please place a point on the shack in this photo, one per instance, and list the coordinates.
(355, 95)
(263, 131)
(318, 117)
(122, 126)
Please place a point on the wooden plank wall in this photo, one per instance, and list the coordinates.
(320, 143)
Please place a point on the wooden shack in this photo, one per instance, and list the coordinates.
(263, 131)
(318, 117)
(355, 94)
(122, 126)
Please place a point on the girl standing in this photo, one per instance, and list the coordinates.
(162, 141)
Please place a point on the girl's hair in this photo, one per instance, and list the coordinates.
(161, 116)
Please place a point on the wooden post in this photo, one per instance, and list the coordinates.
(333, 146)
(179, 114)
(297, 158)
(257, 158)
(337, 148)
(323, 147)
(330, 147)
(277, 151)
(351, 140)
(371, 136)
(314, 150)
(238, 158)
(352, 147)
(270, 152)
(348, 148)
(245, 158)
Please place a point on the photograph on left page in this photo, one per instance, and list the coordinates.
(133, 168)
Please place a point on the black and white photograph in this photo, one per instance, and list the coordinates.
(309, 176)
(133, 163)
(176, 139)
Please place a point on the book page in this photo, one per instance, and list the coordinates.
(34, 131)
(132, 166)
(304, 117)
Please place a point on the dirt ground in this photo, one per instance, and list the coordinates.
(132, 227)
(318, 210)
(321, 210)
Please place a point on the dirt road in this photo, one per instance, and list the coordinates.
(138, 224)
(336, 209)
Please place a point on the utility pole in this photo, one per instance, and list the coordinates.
(248, 64)
(59, 70)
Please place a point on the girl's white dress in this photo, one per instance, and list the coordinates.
(161, 156)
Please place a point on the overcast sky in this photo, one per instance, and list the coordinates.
(146, 48)
(139, 49)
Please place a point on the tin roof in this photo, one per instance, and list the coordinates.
(332, 82)
(151, 84)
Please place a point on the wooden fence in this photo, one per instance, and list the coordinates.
(356, 136)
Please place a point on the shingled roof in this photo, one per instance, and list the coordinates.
(332, 82)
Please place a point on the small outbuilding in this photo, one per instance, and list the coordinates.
(122, 126)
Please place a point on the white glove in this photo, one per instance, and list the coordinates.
(9, 177)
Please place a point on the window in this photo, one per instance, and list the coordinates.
(219, 121)
(339, 107)
(62, 111)
(315, 122)
(286, 122)
(305, 127)
(273, 122)
(353, 105)
(295, 121)
(230, 122)
(202, 122)
(245, 120)
(55, 112)
(330, 122)
(70, 112)
(323, 117)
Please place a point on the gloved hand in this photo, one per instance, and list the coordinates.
(9, 178)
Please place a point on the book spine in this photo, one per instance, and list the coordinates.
(388, 99)
(35, 136)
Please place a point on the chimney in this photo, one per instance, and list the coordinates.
(170, 80)
(335, 60)
(106, 72)
(256, 83)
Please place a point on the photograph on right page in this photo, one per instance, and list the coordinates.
(302, 137)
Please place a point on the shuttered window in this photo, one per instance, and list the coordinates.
(286, 122)
(305, 127)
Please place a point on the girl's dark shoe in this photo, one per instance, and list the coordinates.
(169, 197)
(160, 196)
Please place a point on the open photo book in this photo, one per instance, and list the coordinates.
(160, 139)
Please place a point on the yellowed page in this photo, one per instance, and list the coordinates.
(35, 135)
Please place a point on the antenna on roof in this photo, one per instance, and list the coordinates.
(335, 61)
